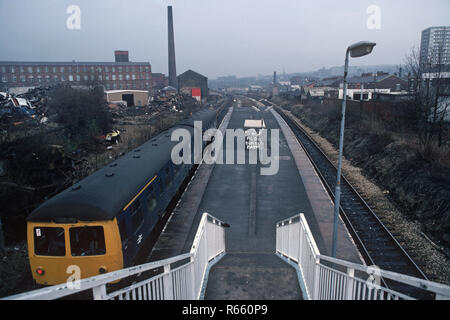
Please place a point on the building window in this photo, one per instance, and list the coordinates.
(30, 69)
(13, 78)
(3, 69)
(54, 69)
(127, 77)
(106, 69)
(114, 77)
(113, 69)
(100, 78)
(85, 77)
(78, 78)
(55, 77)
(21, 69)
(30, 78)
(63, 79)
(13, 69)
(22, 78)
(70, 77)
(133, 77)
(147, 68)
(107, 77)
(5, 78)
(38, 69)
(46, 69)
(61, 69)
(120, 77)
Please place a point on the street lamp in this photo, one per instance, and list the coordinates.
(356, 50)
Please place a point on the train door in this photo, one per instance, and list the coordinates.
(137, 219)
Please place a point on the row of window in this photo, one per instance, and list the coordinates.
(137, 207)
(77, 77)
(48, 69)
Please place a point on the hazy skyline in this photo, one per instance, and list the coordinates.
(217, 38)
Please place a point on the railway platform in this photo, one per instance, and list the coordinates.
(252, 204)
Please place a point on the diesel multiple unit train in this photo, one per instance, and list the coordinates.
(100, 223)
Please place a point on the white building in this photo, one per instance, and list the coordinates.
(435, 45)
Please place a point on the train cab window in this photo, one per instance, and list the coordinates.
(49, 241)
(87, 241)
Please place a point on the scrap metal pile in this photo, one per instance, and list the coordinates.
(29, 106)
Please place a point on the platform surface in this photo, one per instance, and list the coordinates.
(252, 204)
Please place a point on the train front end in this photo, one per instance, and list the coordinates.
(61, 252)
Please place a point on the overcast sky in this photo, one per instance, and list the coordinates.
(217, 37)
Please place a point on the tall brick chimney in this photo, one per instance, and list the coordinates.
(172, 65)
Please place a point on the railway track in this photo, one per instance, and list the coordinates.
(376, 244)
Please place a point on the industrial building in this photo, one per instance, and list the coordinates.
(121, 74)
(159, 81)
(131, 97)
(193, 84)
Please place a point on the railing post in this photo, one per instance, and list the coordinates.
(300, 245)
(315, 289)
(99, 292)
(193, 285)
(167, 282)
(349, 286)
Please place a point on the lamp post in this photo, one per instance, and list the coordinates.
(356, 50)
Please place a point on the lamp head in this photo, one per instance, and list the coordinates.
(360, 49)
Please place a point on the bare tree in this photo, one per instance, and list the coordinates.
(429, 84)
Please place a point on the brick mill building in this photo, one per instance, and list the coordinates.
(121, 74)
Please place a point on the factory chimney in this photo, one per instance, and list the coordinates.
(172, 65)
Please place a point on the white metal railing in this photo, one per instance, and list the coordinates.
(183, 282)
(327, 278)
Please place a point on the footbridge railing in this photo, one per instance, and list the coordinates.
(327, 278)
(178, 278)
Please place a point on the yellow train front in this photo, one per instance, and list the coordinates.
(99, 224)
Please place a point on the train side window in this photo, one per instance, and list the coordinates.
(151, 202)
(137, 215)
(49, 241)
(87, 241)
(168, 176)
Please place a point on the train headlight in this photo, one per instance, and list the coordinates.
(102, 270)
(40, 271)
